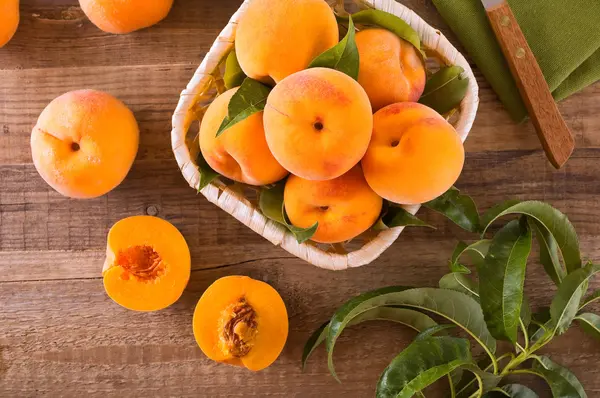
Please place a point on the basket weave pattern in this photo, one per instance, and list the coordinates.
(207, 83)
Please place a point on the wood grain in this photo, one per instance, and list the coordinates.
(552, 130)
(60, 335)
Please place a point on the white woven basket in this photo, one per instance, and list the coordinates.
(201, 91)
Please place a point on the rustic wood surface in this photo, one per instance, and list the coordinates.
(60, 335)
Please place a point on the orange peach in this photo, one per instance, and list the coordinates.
(240, 152)
(276, 38)
(391, 69)
(344, 207)
(318, 123)
(125, 16)
(84, 143)
(415, 155)
(9, 20)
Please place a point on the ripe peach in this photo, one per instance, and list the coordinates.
(84, 143)
(345, 207)
(125, 16)
(240, 152)
(276, 38)
(9, 20)
(318, 123)
(391, 69)
(415, 155)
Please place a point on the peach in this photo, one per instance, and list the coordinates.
(240, 152)
(84, 143)
(276, 38)
(391, 69)
(344, 207)
(9, 20)
(318, 123)
(125, 16)
(415, 155)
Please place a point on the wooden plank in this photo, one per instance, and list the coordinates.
(57, 34)
(153, 107)
(75, 340)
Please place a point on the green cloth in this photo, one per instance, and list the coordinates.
(564, 35)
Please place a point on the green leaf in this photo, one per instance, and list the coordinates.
(432, 331)
(460, 209)
(595, 296)
(487, 381)
(396, 216)
(234, 75)
(541, 317)
(565, 304)
(390, 22)
(512, 391)
(590, 323)
(555, 222)
(558, 385)
(460, 283)
(207, 174)
(502, 278)
(421, 364)
(563, 378)
(456, 307)
(413, 319)
(445, 89)
(478, 250)
(314, 341)
(343, 56)
(249, 99)
(271, 205)
(549, 256)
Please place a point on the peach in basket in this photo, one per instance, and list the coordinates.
(317, 120)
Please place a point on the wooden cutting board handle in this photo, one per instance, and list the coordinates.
(551, 128)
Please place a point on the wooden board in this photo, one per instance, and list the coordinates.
(60, 335)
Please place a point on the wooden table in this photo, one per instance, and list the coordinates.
(60, 335)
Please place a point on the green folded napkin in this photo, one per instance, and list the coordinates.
(564, 35)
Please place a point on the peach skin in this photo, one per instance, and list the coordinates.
(415, 155)
(84, 143)
(318, 123)
(391, 69)
(241, 152)
(276, 38)
(344, 207)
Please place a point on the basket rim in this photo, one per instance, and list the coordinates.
(432, 39)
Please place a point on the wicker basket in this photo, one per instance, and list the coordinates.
(207, 83)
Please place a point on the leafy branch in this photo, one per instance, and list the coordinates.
(493, 308)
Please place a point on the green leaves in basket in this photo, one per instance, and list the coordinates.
(343, 56)
(271, 205)
(207, 174)
(421, 364)
(459, 208)
(249, 99)
(445, 89)
(502, 277)
(234, 75)
(395, 216)
(390, 22)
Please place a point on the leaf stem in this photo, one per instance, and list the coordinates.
(525, 334)
(452, 390)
